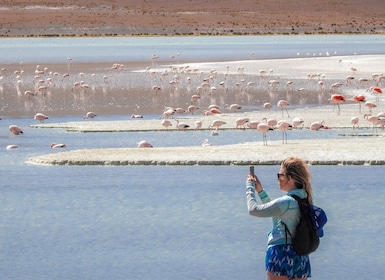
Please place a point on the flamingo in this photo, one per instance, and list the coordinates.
(16, 130)
(206, 143)
(376, 91)
(235, 107)
(90, 115)
(144, 144)
(58, 146)
(180, 111)
(253, 124)
(370, 106)
(354, 121)
(166, 123)
(372, 119)
(192, 108)
(318, 125)
(40, 117)
(181, 125)
(267, 106)
(284, 125)
(12, 147)
(270, 122)
(359, 98)
(337, 99)
(283, 104)
(194, 99)
(156, 89)
(215, 111)
(297, 121)
(216, 124)
(241, 122)
(168, 112)
(198, 125)
(264, 128)
(381, 122)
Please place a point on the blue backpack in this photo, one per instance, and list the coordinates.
(308, 231)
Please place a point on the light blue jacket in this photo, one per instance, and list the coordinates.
(283, 209)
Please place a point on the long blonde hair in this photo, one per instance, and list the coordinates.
(298, 170)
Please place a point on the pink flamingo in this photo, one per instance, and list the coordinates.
(271, 122)
(267, 106)
(241, 122)
(166, 123)
(144, 144)
(370, 106)
(284, 125)
(359, 98)
(372, 119)
(192, 108)
(40, 117)
(318, 125)
(58, 146)
(215, 111)
(354, 121)
(337, 99)
(297, 122)
(235, 107)
(376, 91)
(253, 124)
(194, 99)
(264, 128)
(16, 130)
(216, 124)
(283, 104)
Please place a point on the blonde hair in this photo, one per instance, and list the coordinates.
(297, 169)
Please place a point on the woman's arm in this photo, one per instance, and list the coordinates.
(267, 209)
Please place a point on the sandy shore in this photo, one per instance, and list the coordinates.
(352, 149)
(185, 17)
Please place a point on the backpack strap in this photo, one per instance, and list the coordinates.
(286, 231)
(298, 199)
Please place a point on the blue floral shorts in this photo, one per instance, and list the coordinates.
(282, 260)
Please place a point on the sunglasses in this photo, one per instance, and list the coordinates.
(280, 174)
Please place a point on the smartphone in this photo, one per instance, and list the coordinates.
(251, 168)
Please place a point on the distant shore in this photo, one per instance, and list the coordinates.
(190, 18)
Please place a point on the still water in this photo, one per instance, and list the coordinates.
(200, 48)
(160, 222)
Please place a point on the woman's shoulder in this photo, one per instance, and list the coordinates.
(301, 193)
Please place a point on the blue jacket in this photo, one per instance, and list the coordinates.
(283, 209)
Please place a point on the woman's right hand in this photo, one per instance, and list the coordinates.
(253, 178)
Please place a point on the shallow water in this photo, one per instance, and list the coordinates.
(161, 222)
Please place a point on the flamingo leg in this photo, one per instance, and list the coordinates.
(264, 139)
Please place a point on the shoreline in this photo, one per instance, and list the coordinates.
(187, 18)
(352, 150)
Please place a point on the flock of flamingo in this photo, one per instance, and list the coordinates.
(365, 87)
(223, 93)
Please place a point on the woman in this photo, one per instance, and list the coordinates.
(282, 262)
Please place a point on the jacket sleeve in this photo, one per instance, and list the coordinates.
(268, 208)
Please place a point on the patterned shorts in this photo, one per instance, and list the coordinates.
(282, 260)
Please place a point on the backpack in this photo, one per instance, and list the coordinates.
(309, 229)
